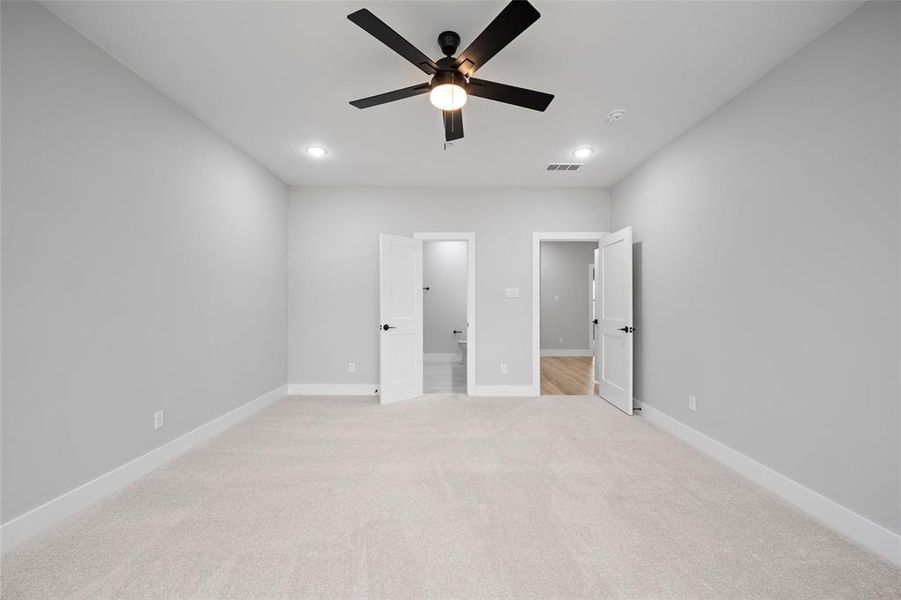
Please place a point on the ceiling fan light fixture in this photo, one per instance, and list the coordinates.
(451, 76)
(448, 96)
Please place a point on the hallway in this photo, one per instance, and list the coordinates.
(566, 376)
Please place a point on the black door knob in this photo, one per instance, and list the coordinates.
(386, 327)
(627, 329)
(595, 321)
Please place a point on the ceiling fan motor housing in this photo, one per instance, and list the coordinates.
(445, 76)
(448, 41)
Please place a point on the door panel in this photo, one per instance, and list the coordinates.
(596, 345)
(615, 281)
(400, 309)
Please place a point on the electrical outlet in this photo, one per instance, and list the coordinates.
(556, 298)
(503, 368)
(351, 367)
(159, 419)
(560, 340)
(692, 404)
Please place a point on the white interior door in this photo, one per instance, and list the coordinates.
(615, 293)
(400, 316)
(595, 320)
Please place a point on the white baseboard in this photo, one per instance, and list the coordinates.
(877, 538)
(506, 390)
(565, 352)
(332, 389)
(369, 389)
(52, 512)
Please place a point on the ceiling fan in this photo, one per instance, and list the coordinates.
(451, 77)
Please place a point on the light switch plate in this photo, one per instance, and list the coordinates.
(159, 419)
(512, 292)
(692, 404)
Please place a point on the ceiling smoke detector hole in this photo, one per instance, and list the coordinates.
(617, 114)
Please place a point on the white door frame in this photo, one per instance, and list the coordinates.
(470, 238)
(591, 309)
(596, 367)
(537, 238)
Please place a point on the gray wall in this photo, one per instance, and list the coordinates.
(143, 264)
(444, 305)
(768, 257)
(334, 262)
(565, 295)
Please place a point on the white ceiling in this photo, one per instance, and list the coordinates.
(274, 77)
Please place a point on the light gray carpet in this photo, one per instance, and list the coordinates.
(445, 497)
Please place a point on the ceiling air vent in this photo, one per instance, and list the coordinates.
(564, 166)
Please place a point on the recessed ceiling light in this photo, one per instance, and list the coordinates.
(583, 152)
(316, 151)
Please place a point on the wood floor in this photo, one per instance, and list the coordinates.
(566, 376)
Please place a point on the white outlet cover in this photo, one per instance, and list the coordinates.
(512, 292)
(559, 340)
(351, 367)
(159, 419)
(692, 403)
(503, 368)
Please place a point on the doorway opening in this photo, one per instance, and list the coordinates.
(444, 342)
(448, 312)
(401, 320)
(610, 321)
(567, 312)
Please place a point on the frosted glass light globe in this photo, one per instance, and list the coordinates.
(448, 96)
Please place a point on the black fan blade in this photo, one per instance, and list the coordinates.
(407, 92)
(380, 31)
(453, 124)
(509, 94)
(513, 20)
